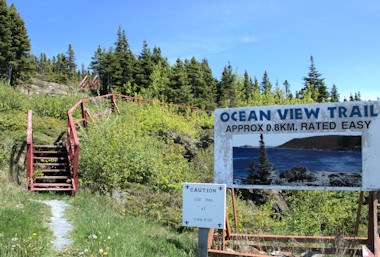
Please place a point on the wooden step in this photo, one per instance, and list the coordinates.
(51, 170)
(49, 164)
(49, 146)
(53, 189)
(49, 152)
(53, 177)
(51, 185)
(49, 158)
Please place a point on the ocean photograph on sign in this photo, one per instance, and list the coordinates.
(298, 159)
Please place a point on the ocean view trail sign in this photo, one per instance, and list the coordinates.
(328, 146)
(204, 205)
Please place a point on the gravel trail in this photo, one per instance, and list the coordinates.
(58, 224)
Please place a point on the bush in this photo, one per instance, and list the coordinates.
(321, 213)
(11, 99)
(53, 106)
(135, 147)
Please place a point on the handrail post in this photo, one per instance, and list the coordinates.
(114, 103)
(84, 114)
(76, 166)
(29, 151)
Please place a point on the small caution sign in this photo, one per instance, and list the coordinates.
(204, 205)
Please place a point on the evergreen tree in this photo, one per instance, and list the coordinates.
(15, 45)
(157, 57)
(266, 86)
(315, 85)
(256, 85)
(120, 63)
(96, 63)
(194, 72)
(226, 88)
(264, 167)
(144, 67)
(207, 99)
(357, 96)
(248, 86)
(71, 60)
(263, 173)
(334, 95)
(286, 86)
(180, 89)
(5, 37)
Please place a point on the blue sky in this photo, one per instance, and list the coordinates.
(254, 35)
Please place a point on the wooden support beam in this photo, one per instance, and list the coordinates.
(218, 253)
(234, 208)
(359, 213)
(296, 239)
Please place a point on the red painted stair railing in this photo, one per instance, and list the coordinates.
(47, 165)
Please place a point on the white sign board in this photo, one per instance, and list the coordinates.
(204, 205)
(329, 146)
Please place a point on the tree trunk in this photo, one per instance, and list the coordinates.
(9, 74)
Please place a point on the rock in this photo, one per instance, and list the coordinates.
(252, 250)
(190, 144)
(119, 195)
(259, 197)
(312, 254)
(281, 254)
(51, 88)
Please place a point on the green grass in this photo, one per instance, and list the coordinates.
(102, 226)
(24, 229)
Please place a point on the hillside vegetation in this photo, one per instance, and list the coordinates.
(141, 158)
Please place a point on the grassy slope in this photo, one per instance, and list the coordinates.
(132, 225)
(24, 229)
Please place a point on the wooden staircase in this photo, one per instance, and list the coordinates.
(50, 169)
(55, 168)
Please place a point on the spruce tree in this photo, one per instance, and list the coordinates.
(334, 95)
(207, 99)
(286, 86)
(248, 86)
(194, 72)
(71, 60)
(263, 173)
(264, 168)
(144, 67)
(121, 62)
(180, 89)
(15, 45)
(314, 84)
(5, 37)
(266, 85)
(226, 88)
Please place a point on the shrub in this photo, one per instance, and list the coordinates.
(134, 147)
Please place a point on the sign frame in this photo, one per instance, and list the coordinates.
(341, 119)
